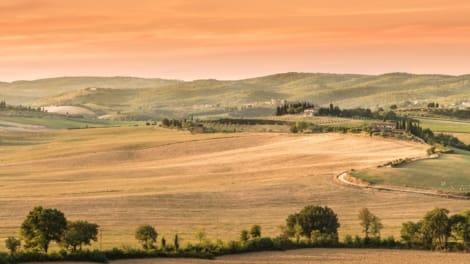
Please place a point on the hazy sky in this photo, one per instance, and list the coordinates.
(231, 39)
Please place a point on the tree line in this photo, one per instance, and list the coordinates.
(4, 106)
(293, 108)
(313, 226)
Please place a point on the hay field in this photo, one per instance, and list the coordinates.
(123, 177)
(331, 256)
(318, 256)
(464, 137)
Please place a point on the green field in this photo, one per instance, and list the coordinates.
(448, 173)
(446, 126)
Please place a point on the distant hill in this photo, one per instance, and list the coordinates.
(26, 92)
(157, 97)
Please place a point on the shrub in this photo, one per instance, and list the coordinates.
(255, 231)
(348, 240)
(12, 244)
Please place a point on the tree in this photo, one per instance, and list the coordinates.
(371, 224)
(297, 232)
(310, 218)
(12, 244)
(411, 233)
(436, 225)
(147, 235)
(176, 242)
(79, 233)
(200, 235)
(163, 243)
(244, 236)
(41, 226)
(460, 227)
(166, 122)
(255, 231)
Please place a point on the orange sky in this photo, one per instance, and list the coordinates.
(231, 39)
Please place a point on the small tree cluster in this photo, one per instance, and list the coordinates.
(293, 108)
(436, 228)
(45, 225)
(319, 223)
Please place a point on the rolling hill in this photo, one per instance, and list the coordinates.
(157, 98)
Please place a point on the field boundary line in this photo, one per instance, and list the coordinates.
(346, 179)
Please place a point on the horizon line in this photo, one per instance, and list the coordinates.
(224, 79)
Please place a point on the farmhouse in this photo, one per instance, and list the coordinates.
(309, 112)
(384, 126)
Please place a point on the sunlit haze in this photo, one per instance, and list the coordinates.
(231, 39)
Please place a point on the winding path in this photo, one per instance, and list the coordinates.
(343, 179)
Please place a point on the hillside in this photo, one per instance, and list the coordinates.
(26, 92)
(158, 98)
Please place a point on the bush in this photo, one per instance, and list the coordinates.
(283, 243)
(3, 258)
(12, 244)
(348, 241)
(259, 244)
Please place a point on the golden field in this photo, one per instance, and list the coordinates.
(318, 256)
(123, 177)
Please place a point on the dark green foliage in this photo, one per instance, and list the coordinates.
(255, 231)
(436, 224)
(355, 112)
(411, 234)
(244, 236)
(163, 243)
(293, 108)
(12, 244)
(41, 226)
(176, 242)
(314, 218)
(79, 233)
(147, 236)
(460, 228)
(259, 244)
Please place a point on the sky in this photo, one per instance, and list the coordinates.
(231, 39)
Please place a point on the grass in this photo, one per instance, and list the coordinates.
(448, 173)
(123, 177)
(447, 126)
(324, 120)
(58, 122)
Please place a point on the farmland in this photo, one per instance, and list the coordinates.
(448, 126)
(176, 181)
(448, 173)
(314, 256)
(334, 256)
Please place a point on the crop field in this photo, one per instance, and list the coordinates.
(464, 137)
(318, 256)
(447, 173)
(123, 177)
(333, 256)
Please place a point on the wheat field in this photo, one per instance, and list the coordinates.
(123, 177)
